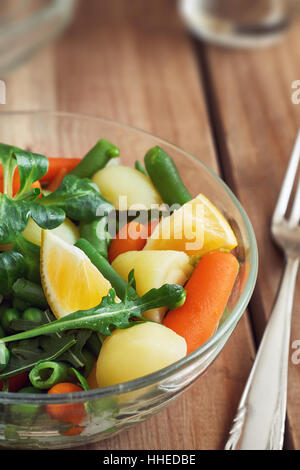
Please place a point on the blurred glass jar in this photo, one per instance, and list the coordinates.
(239, 23)
(27, 25)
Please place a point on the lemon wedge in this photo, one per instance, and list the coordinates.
(195, 228)
(70, 280)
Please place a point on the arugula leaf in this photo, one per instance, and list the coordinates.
(25, 354)
(12, 266)
(75, 355)
(81, 379)
(110, 314)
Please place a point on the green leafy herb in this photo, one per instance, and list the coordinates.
(80, 379)
(75, 355)
(77, 198)
(14, 217)
(110, 314)
(25, 354)
(12, 266)
(31, 167)
(31, 255)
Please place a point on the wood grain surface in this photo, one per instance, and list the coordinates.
(135, 63)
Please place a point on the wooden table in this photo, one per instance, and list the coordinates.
(134, 62)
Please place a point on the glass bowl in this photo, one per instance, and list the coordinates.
(26, 25)
(112, 409)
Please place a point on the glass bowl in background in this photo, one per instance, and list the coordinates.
(115, 408)
(239, 23)
(27, 25)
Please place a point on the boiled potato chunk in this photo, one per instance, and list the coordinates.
(126, 187)
(67, 231)
(137, 351)
(153, 269)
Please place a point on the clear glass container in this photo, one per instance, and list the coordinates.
(112, 409)
(27, 25)
(239, 23)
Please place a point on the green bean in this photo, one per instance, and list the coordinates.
(29, 389)
(33, 314)
(138, 166)
(48, 373)
(4, 356)
(96, 159)
(104, 267)
(165, 177)
(20, 304)
(8, 316)
(30, 292)
(96, 234)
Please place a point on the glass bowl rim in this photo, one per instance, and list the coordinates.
(229, 323)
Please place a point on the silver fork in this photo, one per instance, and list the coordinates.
(260, 420)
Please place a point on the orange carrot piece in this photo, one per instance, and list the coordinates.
(131, 237)
(74, 431)
(55, 183)
(208, 291)
(70, 412)
(56, 164)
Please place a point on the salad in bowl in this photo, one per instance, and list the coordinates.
(109, 273)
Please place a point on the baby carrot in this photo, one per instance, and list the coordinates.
(208, 291)
(131, 237)
(56, 164)
(55, 183)
(69, 412)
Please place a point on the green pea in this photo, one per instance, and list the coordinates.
(8, 316)
(3, 307)
(33, 314)
(4, 356)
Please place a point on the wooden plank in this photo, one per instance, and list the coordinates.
(256, 124)
(133, 62)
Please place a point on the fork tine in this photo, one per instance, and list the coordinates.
(286, 189)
